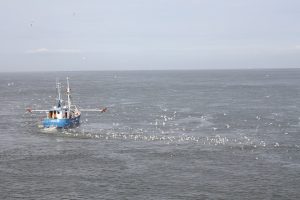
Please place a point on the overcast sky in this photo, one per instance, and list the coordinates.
(148, 34)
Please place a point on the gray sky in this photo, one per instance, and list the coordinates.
(148, 34)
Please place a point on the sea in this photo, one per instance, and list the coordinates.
(202, 134)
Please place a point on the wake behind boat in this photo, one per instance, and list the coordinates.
(63, 115)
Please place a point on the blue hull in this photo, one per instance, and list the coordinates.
(61, 123)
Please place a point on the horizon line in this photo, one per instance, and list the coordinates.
(132, 70)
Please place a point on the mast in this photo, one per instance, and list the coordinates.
(69, 99)
(58, 94)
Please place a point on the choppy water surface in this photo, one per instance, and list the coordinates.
(167, 135)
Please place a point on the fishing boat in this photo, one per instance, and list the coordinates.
(63, 115)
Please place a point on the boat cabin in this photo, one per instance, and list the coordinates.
(57, 114)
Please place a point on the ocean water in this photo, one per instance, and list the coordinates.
(219, 134)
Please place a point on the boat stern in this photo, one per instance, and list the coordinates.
(61, 123)
(58, 123)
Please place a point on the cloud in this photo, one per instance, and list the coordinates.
(45, 50)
